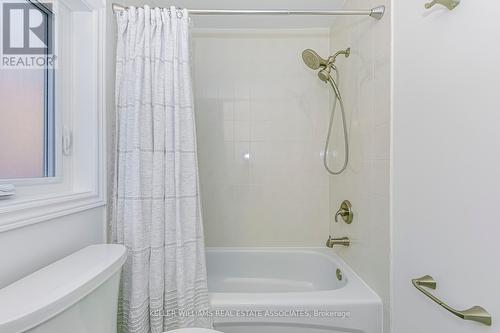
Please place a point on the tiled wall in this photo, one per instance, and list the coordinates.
(365, 85)
(261, 120)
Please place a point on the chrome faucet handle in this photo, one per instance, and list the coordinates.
(345, 211)
(339, 212)
(450, 4)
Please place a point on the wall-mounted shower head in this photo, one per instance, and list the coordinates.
(313, 60)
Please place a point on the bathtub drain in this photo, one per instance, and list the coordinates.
(339, 274)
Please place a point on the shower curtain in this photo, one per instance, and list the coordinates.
(155, 203)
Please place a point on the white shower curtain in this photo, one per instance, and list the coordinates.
(155, 204)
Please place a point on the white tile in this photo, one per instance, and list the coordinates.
(226, 88)
(228, 131)
(242, 131)
(379, 177)
(381, 141)
(239, 170)
(382, 95)
(365, 85)
(242, 90)
(228, 109)
(260, 129)
(242, 110)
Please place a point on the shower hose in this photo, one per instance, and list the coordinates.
(330, 126)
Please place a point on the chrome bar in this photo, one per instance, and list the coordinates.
(476, 313)
(376, 12)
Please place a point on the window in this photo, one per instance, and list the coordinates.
(27, 117)
(52, 133)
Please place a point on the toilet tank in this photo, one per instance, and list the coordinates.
(77, 294)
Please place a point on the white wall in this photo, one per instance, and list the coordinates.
(446, 180)
(27, 249)
(261, 116)
(365, 86)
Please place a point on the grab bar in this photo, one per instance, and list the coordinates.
(450, 4)
(476, 313)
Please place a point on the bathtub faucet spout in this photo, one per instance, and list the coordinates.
(331, 242)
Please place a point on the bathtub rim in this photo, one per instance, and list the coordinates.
(356, 290)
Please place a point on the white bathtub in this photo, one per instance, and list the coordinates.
(292, 290)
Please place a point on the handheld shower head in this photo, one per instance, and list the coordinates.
(313, 60)
(324, 74)
(324, 67)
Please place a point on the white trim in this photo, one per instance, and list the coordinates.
(34, 212)
(32, 181)
(83, 5)
(101, 99)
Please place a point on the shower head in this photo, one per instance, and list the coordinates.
(325, 66)
(313, 60)
(324, 74)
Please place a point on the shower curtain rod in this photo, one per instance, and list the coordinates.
(376, 12)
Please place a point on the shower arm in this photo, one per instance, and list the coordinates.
(345, 52)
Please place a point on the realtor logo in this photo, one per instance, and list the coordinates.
(27, 34)
(27, 28)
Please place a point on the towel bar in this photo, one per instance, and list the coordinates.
(476, 313)
(450, 4)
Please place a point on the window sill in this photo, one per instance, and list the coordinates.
(20, 214)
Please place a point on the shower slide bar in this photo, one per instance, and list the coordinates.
(376, 12)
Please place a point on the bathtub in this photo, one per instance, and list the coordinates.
(292, 290)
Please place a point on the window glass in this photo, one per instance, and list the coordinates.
(27, 121)
(22, 123)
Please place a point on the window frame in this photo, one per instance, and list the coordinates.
(49, 154)
(78, 181)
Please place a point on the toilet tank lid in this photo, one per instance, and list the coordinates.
(49, 291)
